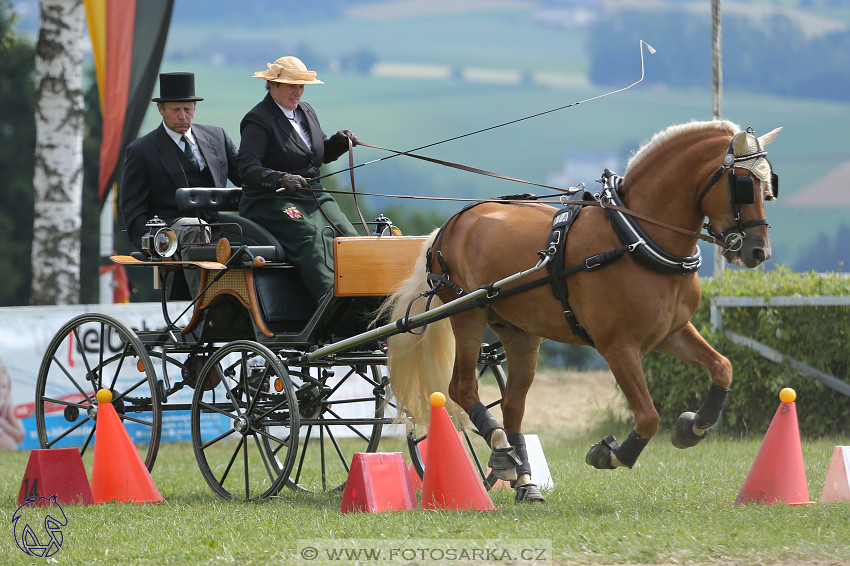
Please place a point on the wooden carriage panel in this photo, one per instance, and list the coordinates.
(373, 266)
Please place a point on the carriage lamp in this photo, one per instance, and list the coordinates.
(384, 227)
(159, 241)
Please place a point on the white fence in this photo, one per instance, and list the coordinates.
(718, 303)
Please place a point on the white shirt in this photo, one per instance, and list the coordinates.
(295, 121)
(178, 139)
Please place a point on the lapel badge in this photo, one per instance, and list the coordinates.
(293, 213)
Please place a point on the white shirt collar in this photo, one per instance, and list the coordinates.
(176, 136)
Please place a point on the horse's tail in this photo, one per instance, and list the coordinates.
(420, 363)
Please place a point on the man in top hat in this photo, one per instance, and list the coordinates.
(176, 154)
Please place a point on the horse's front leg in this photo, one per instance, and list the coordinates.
(608, 453)
(687, 345)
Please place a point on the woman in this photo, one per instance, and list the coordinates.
(282, 147)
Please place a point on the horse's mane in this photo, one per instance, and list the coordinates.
(662, 137)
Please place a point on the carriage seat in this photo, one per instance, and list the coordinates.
(237, 229)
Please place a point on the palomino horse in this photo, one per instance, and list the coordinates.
(641, 300)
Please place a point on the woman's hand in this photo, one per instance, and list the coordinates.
(345, 135)
(289, 182)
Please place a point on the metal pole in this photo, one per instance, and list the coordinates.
(717, 95)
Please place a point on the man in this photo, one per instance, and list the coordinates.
(176, 154)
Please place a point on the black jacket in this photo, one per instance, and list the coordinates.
(153, 173)
(270, 146)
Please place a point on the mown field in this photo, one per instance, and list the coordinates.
(673, 507)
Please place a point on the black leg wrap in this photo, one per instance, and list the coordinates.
(483, 420)
(627, 453)
(709, 412)
(517, 440)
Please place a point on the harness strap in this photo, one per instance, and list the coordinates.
(561, 223)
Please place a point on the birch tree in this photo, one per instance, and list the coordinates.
(58, 171)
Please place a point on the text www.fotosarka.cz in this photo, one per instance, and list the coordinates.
(426, 551)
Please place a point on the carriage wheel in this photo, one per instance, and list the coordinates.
(342, 413)
(491, 381)
(244, 428)
(91, 352)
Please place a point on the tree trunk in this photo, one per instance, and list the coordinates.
(58, 175)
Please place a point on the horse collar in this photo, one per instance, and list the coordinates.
(631, 234)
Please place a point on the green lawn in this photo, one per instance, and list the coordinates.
(674, 507)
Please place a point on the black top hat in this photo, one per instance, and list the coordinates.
(177, 87)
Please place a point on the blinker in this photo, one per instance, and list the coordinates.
(742, 189)
(774, 184)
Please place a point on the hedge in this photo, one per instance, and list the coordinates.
(817, 336)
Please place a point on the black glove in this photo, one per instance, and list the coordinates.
(343, 136)
(289, 182)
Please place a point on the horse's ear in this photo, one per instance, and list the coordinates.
(767, 138)
(740, 143)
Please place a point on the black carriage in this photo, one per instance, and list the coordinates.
(283, 390)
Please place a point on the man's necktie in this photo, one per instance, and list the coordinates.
(189, 153)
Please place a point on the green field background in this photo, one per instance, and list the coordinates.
(405, 113)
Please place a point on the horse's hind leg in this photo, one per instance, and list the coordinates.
(687, 345)
(468, 329)
(522, 351)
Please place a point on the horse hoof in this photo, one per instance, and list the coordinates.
(503, 463)
(529, 493)
(682, 435)
(599, 455)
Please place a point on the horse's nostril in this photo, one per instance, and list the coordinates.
(759, 255)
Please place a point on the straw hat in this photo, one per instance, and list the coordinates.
(289, 70)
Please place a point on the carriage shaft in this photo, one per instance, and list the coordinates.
(420, 320)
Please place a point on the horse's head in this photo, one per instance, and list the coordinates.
(736, 209)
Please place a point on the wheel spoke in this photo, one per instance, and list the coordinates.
(67, 432)
(125, 417)
(263, 456)
(118, 368)
(222, 436)
(72, 380)
(215, 409)
(347, 425)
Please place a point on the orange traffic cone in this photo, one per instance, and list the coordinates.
(118, 472)
(451, 481)
(778, 474)
(836, 487)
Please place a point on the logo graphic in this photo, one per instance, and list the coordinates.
(293, 213)
(38, 510)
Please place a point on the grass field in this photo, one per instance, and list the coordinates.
(674, 507)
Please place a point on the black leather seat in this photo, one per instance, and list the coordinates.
(238, 230)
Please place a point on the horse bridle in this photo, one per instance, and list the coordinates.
(742, 191)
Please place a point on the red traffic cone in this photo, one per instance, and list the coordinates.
(451, 481)
(778, 474)
(56, 471)
(377, 482)
(118, 472)
(836, 487)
